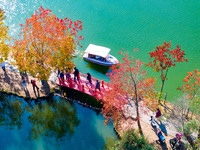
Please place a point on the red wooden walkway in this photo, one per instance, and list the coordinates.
(82, 87)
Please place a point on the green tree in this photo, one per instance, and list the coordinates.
(130, 141)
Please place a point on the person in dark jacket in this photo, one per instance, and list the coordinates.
(76, 74)
(98, 85)
(89, 80)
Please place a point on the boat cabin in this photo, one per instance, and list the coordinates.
(99, 55)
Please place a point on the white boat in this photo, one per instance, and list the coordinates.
(99, 55)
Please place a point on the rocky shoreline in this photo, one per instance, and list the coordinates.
(11, 83)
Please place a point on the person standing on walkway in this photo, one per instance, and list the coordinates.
(153, 124)
(158, 114)
(67, 76)
(97, 85)
(24, 84)
(89, 80)
(62, 77)
(58, 73)
(76, 74)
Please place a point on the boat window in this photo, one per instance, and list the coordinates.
(97, 57)
(91, 56)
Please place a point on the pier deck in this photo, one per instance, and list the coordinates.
(83, 87)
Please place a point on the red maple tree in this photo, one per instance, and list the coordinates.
(129, 88)
(192, 86)
(46, 43)
(164, 57)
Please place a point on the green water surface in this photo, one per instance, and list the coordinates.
(119, 24)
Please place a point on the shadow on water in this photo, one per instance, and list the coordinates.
(99, 68)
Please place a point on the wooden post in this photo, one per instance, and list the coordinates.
(102, 84)
(83, 89)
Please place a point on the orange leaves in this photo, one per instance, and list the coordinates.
(192, 85)
(46, 43)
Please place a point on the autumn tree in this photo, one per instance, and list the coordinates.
(128, 88)
(4, 49)
(164, 57)
(46, 43)
(192, 89)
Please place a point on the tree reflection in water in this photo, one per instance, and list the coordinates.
(53, 118)
(11, 111)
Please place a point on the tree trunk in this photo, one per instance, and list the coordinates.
(138, 122)
(163, 78)
(189, 139)
(163, 81)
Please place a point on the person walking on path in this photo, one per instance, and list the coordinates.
(62, 77)
(153, 124)
(68, 76)
(24, 84)
(176, 142)
(76, 74)
(158, 114)
(58, 73)
(98, 85)
(89, 80)
(33, 82)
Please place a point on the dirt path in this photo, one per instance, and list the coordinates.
(149, 132)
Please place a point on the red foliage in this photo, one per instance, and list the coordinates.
(128, 87)
(192, 85)
(164, 56)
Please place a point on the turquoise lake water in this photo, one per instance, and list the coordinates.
(143, 24)
(56, 125)
(116, 24)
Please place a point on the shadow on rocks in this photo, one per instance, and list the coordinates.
(45, 87)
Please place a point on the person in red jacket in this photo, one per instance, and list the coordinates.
(33, 82)
(158, 114)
